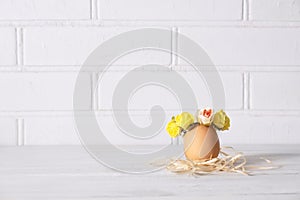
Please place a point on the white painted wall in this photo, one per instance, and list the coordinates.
(255, 44)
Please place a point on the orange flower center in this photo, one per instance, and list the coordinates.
(207, 113)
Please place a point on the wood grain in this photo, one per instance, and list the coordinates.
(69, 172)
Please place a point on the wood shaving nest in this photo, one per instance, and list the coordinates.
(224, 163)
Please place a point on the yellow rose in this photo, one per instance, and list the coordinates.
(227, 123)
(184, 120)
(221, 120)
(173, 129)
(179, 123)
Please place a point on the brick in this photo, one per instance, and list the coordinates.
(39, 91)
(152, 94)
(8, 133)
(46, 9)
(232, 84)
(245, 129)
(261, 129)
(275, 10)
(247, 46)
(72, 46)
(170, 10)
(61, 130)
(275, 90)
(50, 130)
(7, 46)
(115, 133)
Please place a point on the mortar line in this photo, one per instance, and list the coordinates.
(245, 10)
(17, 132)
(174, 47)
(153, 23)
(19, 46)
(93, 10)
(20, 132)
(246, 90)
(94, 91)
(249, 93)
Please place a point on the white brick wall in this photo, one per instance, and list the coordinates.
(285, 10)
(50, 130)
(281, 88)
(8, 133)
(170, 10)
(255, 44)
(7, 46)
(248, 46)
(44, 10)
(39, 91)
(61, 130)
(233, 83)
(260, 129)
(71, 46)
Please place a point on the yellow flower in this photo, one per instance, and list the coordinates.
(173, 129)
(184, 120)
(221, 120)
(179, 123)
(227, 123)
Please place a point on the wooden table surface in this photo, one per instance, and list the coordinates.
(69, 172)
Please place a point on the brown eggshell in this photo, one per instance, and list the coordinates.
(201, 143)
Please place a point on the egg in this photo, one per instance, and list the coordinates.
(201, 143)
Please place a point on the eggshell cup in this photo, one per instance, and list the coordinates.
(201, 143)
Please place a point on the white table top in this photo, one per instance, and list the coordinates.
(69, 172)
